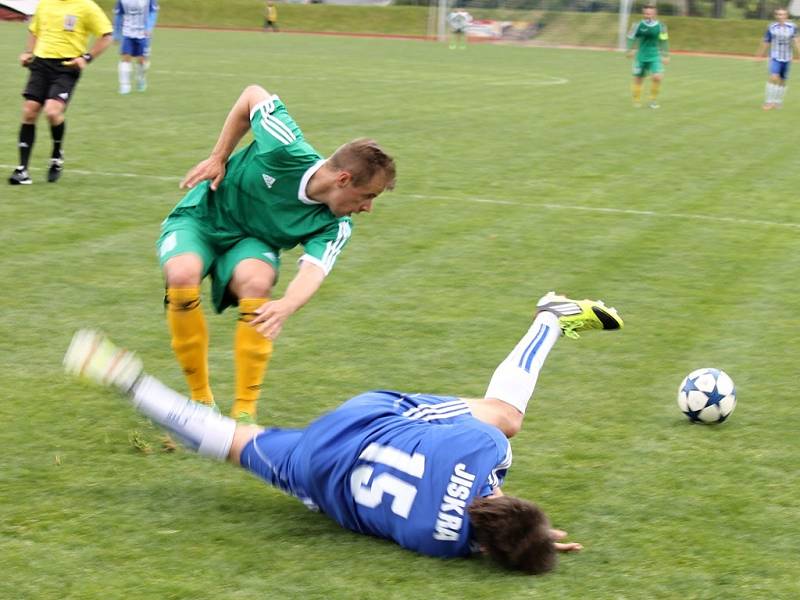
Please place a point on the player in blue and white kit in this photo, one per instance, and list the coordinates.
(134, 21)
(781, 41)
(424, 471)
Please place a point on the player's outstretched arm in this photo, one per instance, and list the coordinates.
(233, 130)
(271, 315)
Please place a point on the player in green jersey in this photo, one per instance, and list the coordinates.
(238, 215)
(653, 53)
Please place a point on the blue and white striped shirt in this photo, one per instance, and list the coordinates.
(779, 37)
(134, 18)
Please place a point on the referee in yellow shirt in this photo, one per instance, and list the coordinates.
(56, 54)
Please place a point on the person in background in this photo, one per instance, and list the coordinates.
(780, 40)
(56, 53)
(134, 21)
(458, 20)
(270, 16)
(652, 55)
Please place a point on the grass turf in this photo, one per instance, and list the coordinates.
(520, 170)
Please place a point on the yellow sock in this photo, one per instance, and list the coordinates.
(251, 351)
(654, 87)
(187, 324)
(636, 88)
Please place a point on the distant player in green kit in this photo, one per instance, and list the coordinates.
(240, 212)
(653, 53)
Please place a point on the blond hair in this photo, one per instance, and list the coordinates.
(363, 159)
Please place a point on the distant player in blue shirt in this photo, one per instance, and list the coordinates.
(134, 21)
(424, 471)
(781, 41)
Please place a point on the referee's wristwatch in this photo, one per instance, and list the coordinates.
(87, 57)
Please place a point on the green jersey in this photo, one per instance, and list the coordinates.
(263, 193)
(653, 39)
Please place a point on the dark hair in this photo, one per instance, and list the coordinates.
(653, 6)
(363, 159)
(514, 532)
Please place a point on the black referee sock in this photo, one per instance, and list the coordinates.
(58, 134)
(27, 134)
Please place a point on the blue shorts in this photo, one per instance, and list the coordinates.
(779, 68)
(135, 46)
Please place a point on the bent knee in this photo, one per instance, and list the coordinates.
(252, 278)
(512, 423)
(185, 270)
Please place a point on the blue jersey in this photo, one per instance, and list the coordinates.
(780, 38)
(398, 466)
(134, 18)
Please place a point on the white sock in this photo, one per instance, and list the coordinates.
(124, 70)
(781, 93)
(198, 426)
(515, 378)
(141, 70)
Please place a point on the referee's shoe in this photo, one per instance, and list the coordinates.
(56, 167)
(20, 177)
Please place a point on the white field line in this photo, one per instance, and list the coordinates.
(537, 205)
(530, 79)
(602, 209)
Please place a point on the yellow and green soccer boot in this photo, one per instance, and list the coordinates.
(579, 315)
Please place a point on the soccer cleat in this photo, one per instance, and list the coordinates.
(20, 177)
(141, 84)
(654, 104)
(579, 315)
(55, 170)
(125, 89)
(768, 106)
(91, 355)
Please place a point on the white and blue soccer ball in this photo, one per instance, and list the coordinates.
(707, 396)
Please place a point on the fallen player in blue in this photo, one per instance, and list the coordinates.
(424, 471)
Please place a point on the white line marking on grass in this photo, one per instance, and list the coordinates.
(543, 205)
(543, 80)
(602, 209)
(103, 174)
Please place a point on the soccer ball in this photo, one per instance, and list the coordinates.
(707, 396)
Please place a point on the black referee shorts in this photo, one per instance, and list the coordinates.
(49, 78)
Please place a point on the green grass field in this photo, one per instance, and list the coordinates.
(520, 170)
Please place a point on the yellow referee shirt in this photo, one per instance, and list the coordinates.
(62, 27)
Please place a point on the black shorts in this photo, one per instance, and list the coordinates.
(49, 78)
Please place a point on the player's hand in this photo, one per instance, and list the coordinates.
(211, 168)
(26, 58)
(665, 60)
(270, 318)
(76, 63)
(558, 534)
